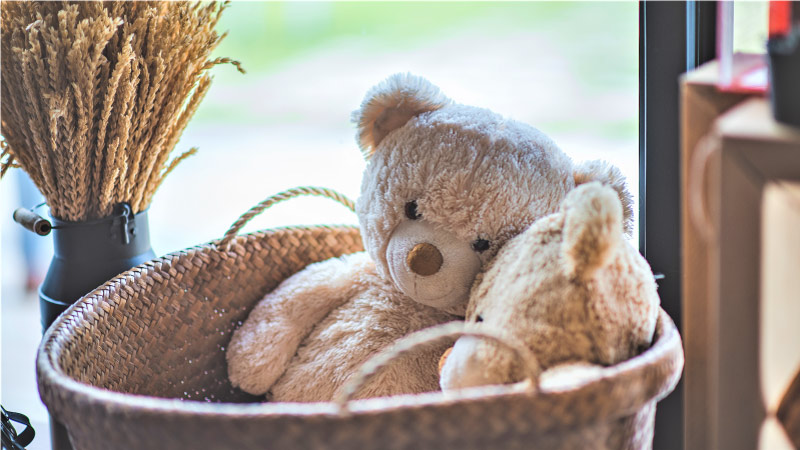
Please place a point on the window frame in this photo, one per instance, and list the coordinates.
(673, 37)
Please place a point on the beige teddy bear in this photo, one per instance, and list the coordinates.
(570, 288)
(446, 185)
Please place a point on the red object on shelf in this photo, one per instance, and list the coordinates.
(748, 74)
(780, 17)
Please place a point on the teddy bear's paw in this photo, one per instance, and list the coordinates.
(262, 348)
(568, 375)
(254, 364)
(476, 362)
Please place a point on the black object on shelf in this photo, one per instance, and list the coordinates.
(784, 76)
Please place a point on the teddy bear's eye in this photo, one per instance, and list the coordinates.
(411, 210)
(480, 245)
(479, 318)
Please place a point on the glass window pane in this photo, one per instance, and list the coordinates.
(569, 69)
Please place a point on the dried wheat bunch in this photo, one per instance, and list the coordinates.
(95, 95)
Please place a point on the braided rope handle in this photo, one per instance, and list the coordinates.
(427, 336)
(280, 197)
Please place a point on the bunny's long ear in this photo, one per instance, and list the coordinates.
(391, 104)
(592, 228)
(611, 176)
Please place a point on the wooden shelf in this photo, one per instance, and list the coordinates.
(725, 179)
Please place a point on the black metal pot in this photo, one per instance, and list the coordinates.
(87, 254)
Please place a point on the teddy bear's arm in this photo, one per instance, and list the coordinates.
(262, 347)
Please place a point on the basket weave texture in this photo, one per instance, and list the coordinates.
(139, 363)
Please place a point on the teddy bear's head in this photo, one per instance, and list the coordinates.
(446, 185)
(570, 288)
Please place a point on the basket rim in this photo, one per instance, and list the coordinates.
(666, 349)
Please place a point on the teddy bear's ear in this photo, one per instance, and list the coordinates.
(611, 176)
(391, 104)
(592, 228)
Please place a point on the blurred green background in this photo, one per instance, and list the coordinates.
(596, 40)
(268, 34)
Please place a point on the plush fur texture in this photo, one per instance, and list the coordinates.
(570, 288)
(443, 181)
(609, 175)
(392, 103)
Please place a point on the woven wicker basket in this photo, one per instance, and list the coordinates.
(139, 363)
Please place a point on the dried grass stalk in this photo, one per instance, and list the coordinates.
(95, 96)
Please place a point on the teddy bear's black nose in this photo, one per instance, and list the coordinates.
(424, 259)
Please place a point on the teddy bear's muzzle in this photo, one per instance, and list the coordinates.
(472, 362)
(432, 266)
